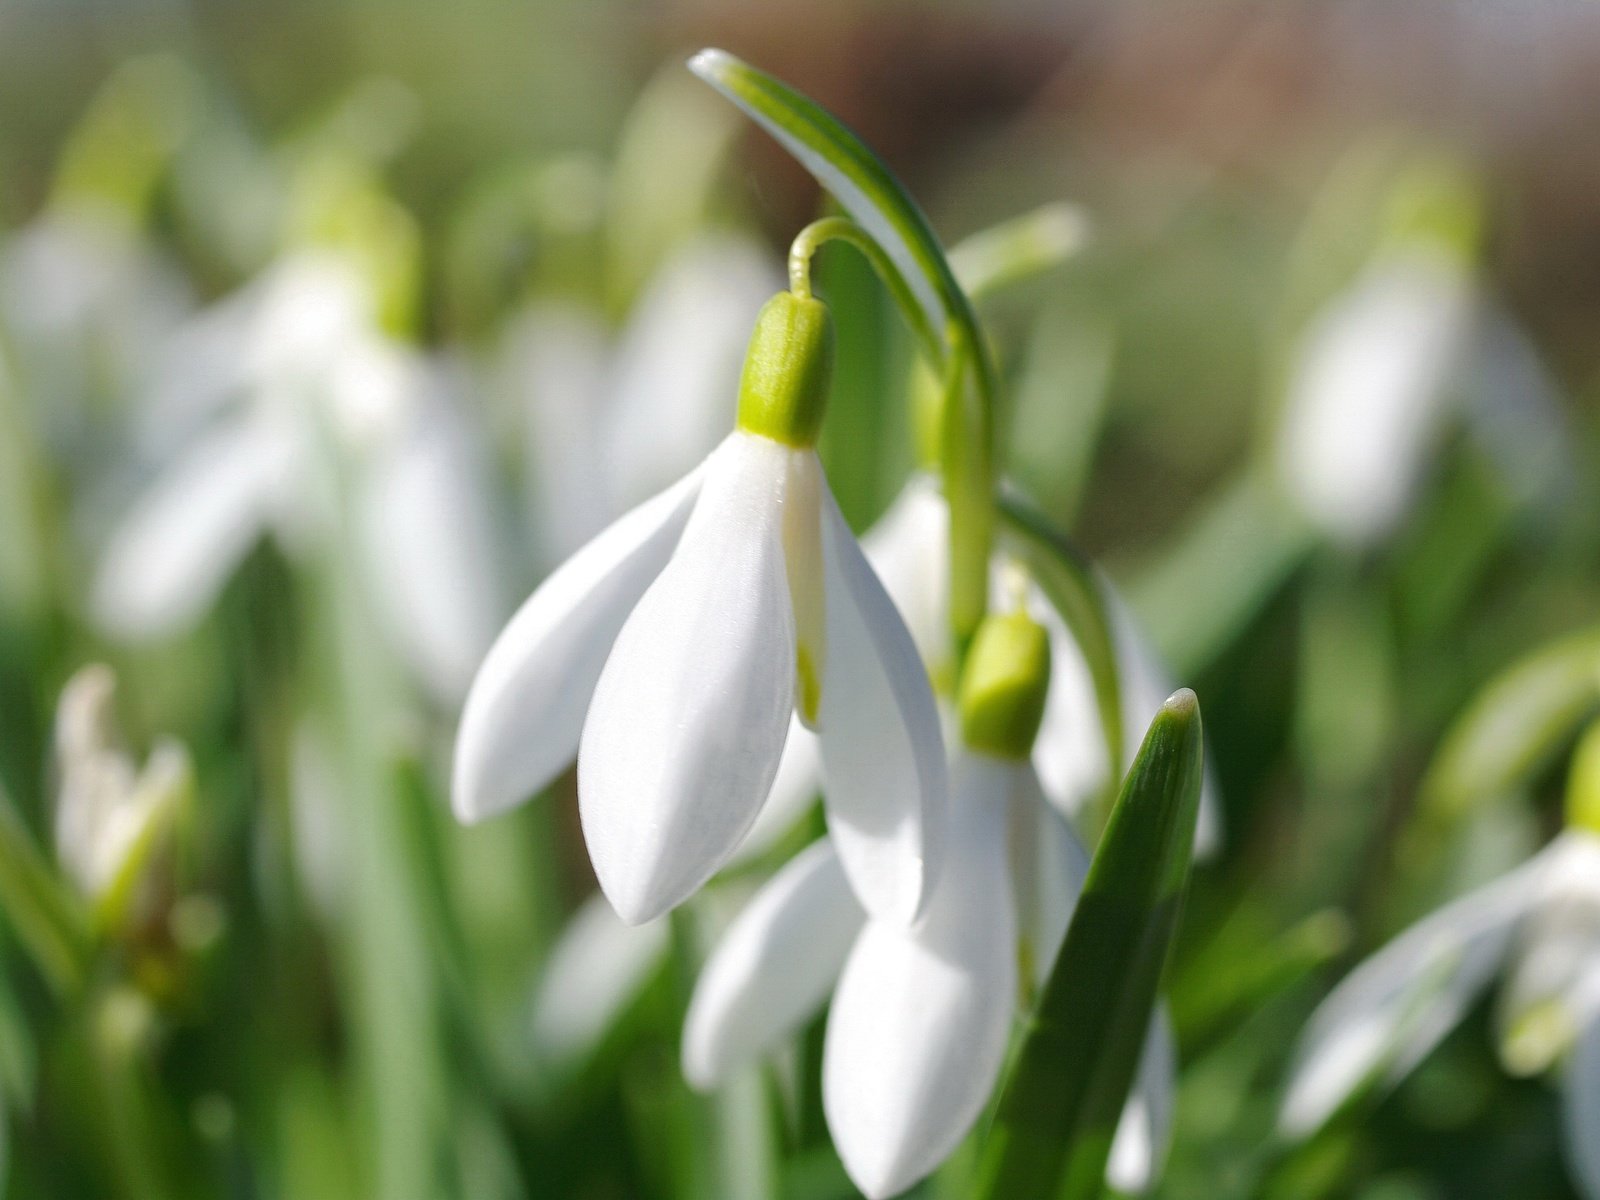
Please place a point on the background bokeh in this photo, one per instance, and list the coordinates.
(321, 986)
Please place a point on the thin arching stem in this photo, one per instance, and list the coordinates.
(841, 229)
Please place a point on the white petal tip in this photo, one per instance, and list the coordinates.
(711, 63)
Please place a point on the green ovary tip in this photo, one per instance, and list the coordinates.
(784, 389)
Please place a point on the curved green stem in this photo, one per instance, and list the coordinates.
(842, 229)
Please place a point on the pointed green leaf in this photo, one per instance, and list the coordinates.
(1065, 1091)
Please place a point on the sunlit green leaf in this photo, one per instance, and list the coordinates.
(1514, 725)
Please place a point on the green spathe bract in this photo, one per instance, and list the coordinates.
(1004, 685)
(784, 389)
(1064, 1095)
(934, 305)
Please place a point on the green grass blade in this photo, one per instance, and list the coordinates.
(1064, 1095)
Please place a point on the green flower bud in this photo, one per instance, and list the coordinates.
(1583, 783)
(1004, 684)
(784, 388)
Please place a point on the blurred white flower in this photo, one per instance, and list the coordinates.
(113, 818)
(908, 547)
(1541, 924)
(669, 654)
(596, 969)
(255, 395)
(1368, 387)
(610, 422)
(85, 302)
(920, 1017)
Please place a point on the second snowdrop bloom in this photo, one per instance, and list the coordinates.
(255, 394)
(1540, 925)
(921, 1017)
(669, 653)
(908, 548)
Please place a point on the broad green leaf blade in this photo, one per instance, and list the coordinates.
(1070, 583)
(1061, 1102)
(857, 178)
(1513, 726)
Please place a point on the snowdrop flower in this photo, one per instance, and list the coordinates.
(84, 300)
(670, 651)
(921, 1016)
(112, 817)
(610, 422)
(1541, 925)
(1369, 387)
(908, 548)
(253, 393)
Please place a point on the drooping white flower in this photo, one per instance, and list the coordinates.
(609, 422)
(670, 652)
(920, 1017)
(255, 395)
(1368, 388)
(908, 547)
(85, 301)
(112, 817)
(1541, 925)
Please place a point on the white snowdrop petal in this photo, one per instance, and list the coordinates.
(1048, 868)
(1553, 982)
(1368, 390)
(908, 549)
(1392, 1010)
(430, 541)
(552, 371)
(795, 788)
(595, 970)
(773, 967)
(1580, 1111)
(1140, 1144)
(688, 719)
(920, 1019)
(169, 556)
(882, 751)
(525, 709)
(1070, 753)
